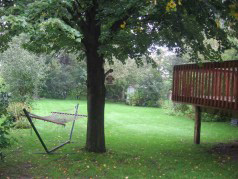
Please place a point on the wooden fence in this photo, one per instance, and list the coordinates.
(213, 84)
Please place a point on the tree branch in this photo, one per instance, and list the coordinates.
(109, 71)
(76, 15)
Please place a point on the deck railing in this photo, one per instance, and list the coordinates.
(213, 84)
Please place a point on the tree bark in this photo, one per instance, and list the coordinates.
(95, 141)
(96, 102)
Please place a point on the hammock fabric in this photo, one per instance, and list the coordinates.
(58, 117)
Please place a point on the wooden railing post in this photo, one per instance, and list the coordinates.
(197, 128)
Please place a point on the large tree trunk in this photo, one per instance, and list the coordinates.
(96, 102)
(95, 84)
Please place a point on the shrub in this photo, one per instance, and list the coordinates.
(7, 123)
(160, 103)
(148, 89)
(144, 98)
(16, 109)
(115, 92)
(23, 72)
(177, 109)
(22, 124)
(4, 132)
(184, 108)
(135, 99)
(208, 117)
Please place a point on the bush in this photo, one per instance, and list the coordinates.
(16, 109)
(177, 109)
(7, 123)
(115, 92)
(135, 99)
(22, 124)
(148, 90)
(4, 132)
(142, 98)
(23, 72)
(208, 117)
(160, 103)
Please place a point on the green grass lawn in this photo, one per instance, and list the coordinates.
(141, 143)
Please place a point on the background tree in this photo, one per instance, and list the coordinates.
(66, 77)
(23, 72)
(146, 79)
(121, 29)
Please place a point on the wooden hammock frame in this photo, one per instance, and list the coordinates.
(29, 116)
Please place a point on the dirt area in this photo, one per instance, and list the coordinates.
(20, 171)
(227, 149)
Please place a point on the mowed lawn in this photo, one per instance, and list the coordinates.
(141, 143)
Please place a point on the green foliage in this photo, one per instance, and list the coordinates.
(22, 124)
(158, 81)
(6, 124)
(181, 107)
(65, 78)
(209, 117)
(144, 24)
(231, 54)
(28, 76)
(148, 92)
(136, 99)
(147, 80)
(176, 109)
(3, 98)
(4, 132)
(23, 72)
(16, 110)
(116, 92)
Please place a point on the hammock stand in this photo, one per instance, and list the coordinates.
(57, 118)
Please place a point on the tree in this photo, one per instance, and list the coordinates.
(121, 29)
(149, 90)
(65, 77)
(146, 79)
(23, 72)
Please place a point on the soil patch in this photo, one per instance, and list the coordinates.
(227, 149)
(21, 171)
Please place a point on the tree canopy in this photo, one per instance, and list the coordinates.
(103, 30)
(124, 28)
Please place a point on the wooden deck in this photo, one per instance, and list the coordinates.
(213, 84)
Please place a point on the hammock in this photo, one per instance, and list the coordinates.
(57, 118)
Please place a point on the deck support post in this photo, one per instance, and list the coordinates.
(197, 128)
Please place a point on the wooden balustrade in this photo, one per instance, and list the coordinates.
(212, 84)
